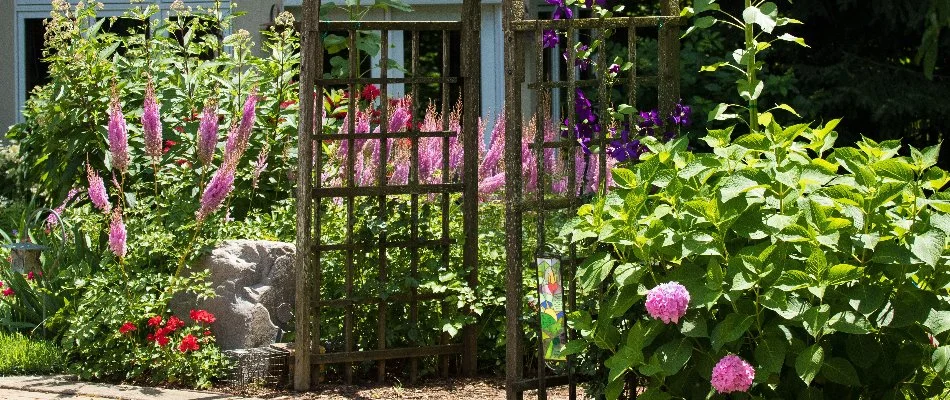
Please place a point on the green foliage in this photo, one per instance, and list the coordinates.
(21, 355)
(821, 266)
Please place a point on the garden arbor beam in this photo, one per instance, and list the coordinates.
(314, 195)
(532, 99)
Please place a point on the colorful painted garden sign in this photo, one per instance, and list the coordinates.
(551, 296)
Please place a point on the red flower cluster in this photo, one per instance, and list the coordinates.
(202, 317)
(30, 276)
(8, 292)
(188, 343)
(169, 144)
(287, 103)
(161, 334)
(126, 328)
(370, 93)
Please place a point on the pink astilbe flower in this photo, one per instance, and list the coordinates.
(52, 220)
(667, 302)
(118, 135)
(97, 191)
(208, 133)
(732, 374)
(259, 167)
(117, 234)
(151, 123)
(241, 133)
(220, 186)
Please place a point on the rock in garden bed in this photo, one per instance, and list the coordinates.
(254, 282)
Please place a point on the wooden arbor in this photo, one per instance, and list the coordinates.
(313, 195)
(524, 52)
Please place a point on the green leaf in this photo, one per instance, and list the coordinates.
(594, 270)
(928, 247)
(753, 15)
(792, 38)
(734, 185)
(941, 362)
(705, 22)
(814, 319)
(770, 353)
(694, 327)
(730, 329)
(850, 322)
(624, 178)
(793, 280)
(713, 67)
(938, 321)
(840, 371)
(843, 273)
(674, 355)
(809, 363)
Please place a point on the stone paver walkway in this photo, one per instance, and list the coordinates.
(62, 387)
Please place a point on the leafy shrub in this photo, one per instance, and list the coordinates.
(824, 268)
(21, 355)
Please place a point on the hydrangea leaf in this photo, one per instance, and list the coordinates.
(840, 371)
(809, 363)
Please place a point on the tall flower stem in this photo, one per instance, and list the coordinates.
(751, 72)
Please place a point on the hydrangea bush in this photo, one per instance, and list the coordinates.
(776, 264)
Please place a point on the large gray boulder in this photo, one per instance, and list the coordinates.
(254, 283)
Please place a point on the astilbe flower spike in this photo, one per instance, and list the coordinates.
(208, 133)
(667, 302)
(220, 186)
(152, 123)
(97, 191)
(241, 133)
(117, 234)
(118, 135)
(52, 220)
(732, 374)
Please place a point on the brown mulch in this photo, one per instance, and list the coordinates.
(443, 389)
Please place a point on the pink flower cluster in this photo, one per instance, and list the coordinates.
(152, 123)
(118, 135)
(732, 374)
(667, 302)
(97, 191)
(117, 234)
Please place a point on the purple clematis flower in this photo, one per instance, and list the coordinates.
(587, 125)
(680, 115)
(581, 62)
(651, 118)
(561, 10)
(550, 39)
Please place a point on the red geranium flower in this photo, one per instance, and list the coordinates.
(370, 93)
(173, 324)
(162, 340)
(155, 321)
(207, 333)
(169, 144)
(188, 343)
(202, 317)
(8, 292)
(127, 327)
(30, 276)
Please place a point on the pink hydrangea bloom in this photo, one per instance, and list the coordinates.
(732, 374)
(667, 302)
(97, 191)
(117, 234)
(217, 190)
(208, 133)
(118, 136)
(151, 123)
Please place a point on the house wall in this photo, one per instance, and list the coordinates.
(8, 109)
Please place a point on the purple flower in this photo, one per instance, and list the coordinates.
(650, 118)
(623, 148)
(614, 69)
(561, 10)
(581, 61)
(732, 374)
(118, 135)
(667, 302)
(117, 234)
(220, 186)
(241, 133)
(587, 125)
(550, 39)
(208, 133)
(680, 114)
(151, 123)
(97, 191)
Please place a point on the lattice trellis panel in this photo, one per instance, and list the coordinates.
(531, 93)
(349, 273)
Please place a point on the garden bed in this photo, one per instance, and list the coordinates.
(478, 388)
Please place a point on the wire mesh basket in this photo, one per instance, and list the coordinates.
(258, 368)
